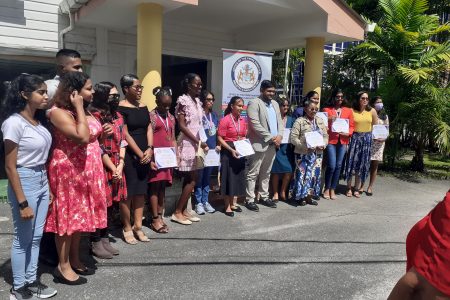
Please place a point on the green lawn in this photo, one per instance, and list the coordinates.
(3, 185)
(436, 166)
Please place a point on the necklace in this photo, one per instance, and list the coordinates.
(166, 125)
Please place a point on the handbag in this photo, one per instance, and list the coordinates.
(200, 156)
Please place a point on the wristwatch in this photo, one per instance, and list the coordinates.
(23, 204)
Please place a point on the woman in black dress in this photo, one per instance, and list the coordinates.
(139, 136)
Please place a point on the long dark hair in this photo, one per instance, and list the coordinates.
(231, 103)
(188, 78)
(70, 81)
(281, 99)
(204, 94)
(100, 100)
(332, 101)
(356, 106)
(382, 113)
(13, 102)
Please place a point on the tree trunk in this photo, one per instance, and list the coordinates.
(417, 161)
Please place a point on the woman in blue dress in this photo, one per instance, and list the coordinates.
(282, 167)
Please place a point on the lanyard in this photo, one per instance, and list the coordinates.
(166, 123)
(210, 121)
(238, 127)
(338, 112)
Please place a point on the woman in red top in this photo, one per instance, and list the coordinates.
(232, 127)
(337, 143)
(428, 259)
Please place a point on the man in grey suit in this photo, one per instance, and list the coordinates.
(265, 134)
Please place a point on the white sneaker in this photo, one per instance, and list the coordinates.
(209, 208)
(199, 209)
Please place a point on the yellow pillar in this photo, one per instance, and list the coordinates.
(149, 49)
(313, 64)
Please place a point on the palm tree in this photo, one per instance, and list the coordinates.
(411, 61)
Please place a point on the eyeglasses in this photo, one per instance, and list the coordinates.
(197, 84)
(339, 97)
(285, 105)
(210, 99)
(113, 97)
(137, 87)
(313, 109)
(364, 98)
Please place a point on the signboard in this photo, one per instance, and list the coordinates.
(243, 72)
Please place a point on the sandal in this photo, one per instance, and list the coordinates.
(162, 220)
(369, 193)
(128, 237)
(326, 196)
(357, 194)
(349, 193)
(162, 229)
(140, 235)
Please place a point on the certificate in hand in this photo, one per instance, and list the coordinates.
(202, 135)
(380, 132)
(165, 157)
(340, 125)
(323, 116)
(314, 139)
(244, 147)
(212, 159)
(286, 135)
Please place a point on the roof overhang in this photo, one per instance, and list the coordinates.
(264, 25)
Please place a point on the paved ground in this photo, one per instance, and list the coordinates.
(344, 249)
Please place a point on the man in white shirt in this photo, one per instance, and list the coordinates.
(67, 60)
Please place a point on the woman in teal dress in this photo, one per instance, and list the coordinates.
(282, 167)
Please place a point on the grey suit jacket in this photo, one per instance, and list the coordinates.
(258, 124)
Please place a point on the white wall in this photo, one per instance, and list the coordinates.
(113, 53)
(29, 27)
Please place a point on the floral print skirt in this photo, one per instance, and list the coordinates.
(358, 156)
(307, 176)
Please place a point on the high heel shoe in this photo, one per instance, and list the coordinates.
(59, 277)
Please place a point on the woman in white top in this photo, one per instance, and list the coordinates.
(27, 144)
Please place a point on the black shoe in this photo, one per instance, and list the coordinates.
(236, 209)
(317, 198)
(312, 202)
(252, 206)
(302, 203)
(229, 213)
(268, 203)
(85, 272)
(61, 279)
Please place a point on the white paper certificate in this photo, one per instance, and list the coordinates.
(202, 135)
(314, 139)
(324, 116)
(340, 125)
(212, 158)
(244, 147)
(286, 135)
(165, 157)
(380, 132)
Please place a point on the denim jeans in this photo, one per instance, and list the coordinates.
(201, 191)
(28, 233)
(336, 153)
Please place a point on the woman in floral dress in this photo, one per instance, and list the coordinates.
(75, 174)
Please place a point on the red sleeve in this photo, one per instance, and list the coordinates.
(352, 122)
(223, 126)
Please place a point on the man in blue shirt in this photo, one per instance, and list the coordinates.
(265, 134)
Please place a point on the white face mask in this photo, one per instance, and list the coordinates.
(379, 106)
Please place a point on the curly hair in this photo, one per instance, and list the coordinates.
(14, 102)
(70, 81)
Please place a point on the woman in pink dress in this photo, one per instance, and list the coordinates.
(189, 113)
(163, 124)
(76, 176)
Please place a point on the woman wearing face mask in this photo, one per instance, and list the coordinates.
(377, 144)
(104, 108)
(75, 174)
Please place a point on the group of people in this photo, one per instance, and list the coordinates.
(73, 148)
